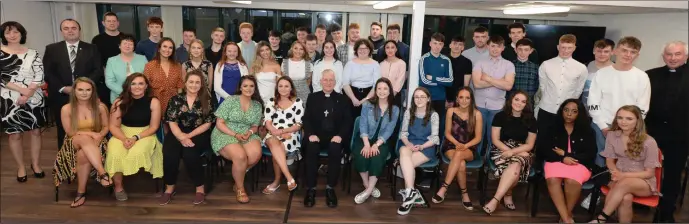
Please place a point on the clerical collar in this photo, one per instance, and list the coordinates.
(327, 94)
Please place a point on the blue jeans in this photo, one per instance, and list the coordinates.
(488, 116)
(600, 144)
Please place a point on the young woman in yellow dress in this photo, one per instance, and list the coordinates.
(134, 120)
(85, 121)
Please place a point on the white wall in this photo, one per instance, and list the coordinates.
(38, 23)
(654, 30)
(172, 16)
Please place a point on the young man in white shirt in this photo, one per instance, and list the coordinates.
(247, 45)
(618, 85)
(560, 78)
(602, 50)
(480, 50)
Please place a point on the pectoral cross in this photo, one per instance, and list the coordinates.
(326, 113)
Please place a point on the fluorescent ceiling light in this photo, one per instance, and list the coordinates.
(242, 2)
(536, 9)
(385, 4)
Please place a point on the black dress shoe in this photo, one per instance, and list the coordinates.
(22, 179)
(330, 198)
(37, 175)
(310, 198)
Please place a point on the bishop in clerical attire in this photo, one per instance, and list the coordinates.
(327, 125)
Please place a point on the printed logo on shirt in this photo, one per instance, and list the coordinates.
(593, 107)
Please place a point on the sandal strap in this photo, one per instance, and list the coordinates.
(463, 190)
(445, 185)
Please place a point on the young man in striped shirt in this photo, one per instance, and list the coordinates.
(435, 74)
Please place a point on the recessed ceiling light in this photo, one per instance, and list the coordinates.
(242, 2)
(535, 9)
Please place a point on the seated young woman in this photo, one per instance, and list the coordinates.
(85, 121)
(463, 131)
(189, 115)
(631, 155)
(419, 134)
(282, 119)
(569, 151)
(134, 120)
(235, 135)
(378, 120)
(514, 135)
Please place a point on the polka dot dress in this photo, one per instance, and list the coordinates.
(285, 118)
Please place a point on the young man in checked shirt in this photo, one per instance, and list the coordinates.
(526, 77)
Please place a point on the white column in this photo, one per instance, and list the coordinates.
(418, 14)
(172, 16)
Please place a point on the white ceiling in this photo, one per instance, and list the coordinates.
(579, 7)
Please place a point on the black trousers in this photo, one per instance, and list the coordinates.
(311, 160)
(173, 151)
(56, 101)
(675, 157)
(359, 93)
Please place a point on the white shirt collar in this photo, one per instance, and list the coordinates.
(76, 45)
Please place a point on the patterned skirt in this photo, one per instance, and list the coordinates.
(502, 163)
(65, 167)
(302, 88)
(15, 119)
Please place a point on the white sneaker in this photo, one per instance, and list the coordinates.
(375, 193)
(361, 197)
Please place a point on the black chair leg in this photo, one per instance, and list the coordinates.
(534, 203)
(594, 201)
(57, 190)
(684, 187)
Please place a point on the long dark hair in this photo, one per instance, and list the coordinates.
(204, 93)
(292, 92)
(527, 113)
(413, 108)
(126, 98)
(256, 96)
(472, 110)
(582, 122)
(390, 97)
(397, 51)
(160, 45)
(335, 55)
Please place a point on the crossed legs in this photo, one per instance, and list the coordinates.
(457, 168)
(88, 156)
(621, 195)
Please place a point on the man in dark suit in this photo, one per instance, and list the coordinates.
(326, 125)
(65, 61)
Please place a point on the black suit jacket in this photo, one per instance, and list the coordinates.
(58, 72)
(314, 114)
(583, 143)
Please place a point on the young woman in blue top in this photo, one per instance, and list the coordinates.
(120, 66)
(419, 134)
(377, 122)
(228, 71)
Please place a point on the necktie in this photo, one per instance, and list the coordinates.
(72, 56)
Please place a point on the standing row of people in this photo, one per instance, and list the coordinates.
(492, 78)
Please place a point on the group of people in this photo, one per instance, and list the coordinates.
(122, 107)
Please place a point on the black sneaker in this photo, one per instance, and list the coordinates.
(408, 201)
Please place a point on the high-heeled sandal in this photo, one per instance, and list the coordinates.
(437, 198)
(510, 206)
(104, 177)
(467, 205)
(22, 179)
(488, 211)
(292, 185)
(599, 220)
(269, 190)
(78, 198)
(242, 197)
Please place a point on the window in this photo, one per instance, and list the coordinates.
(132, 17)
(328, 19)
(263, 22)
(231, 19)
(449, 26)
(290, 21)
(205, 20)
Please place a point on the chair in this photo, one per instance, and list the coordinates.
(348, 157)
(477, 163)
(431, 164)
(263, 162)
(650, 201)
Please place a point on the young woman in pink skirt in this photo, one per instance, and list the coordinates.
(569, 150)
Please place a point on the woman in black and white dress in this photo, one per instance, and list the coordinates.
(22, 106)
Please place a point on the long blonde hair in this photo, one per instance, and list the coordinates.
(258, 60)
(203, 51)
(638, 136)
(94, 104)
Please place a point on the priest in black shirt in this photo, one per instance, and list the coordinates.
(326, 126)
(108, 44)
(461, 69)
(667, 121)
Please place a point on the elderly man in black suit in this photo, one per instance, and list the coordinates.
(327, 124)
(65, 61)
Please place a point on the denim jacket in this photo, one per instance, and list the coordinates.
(368, 124)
